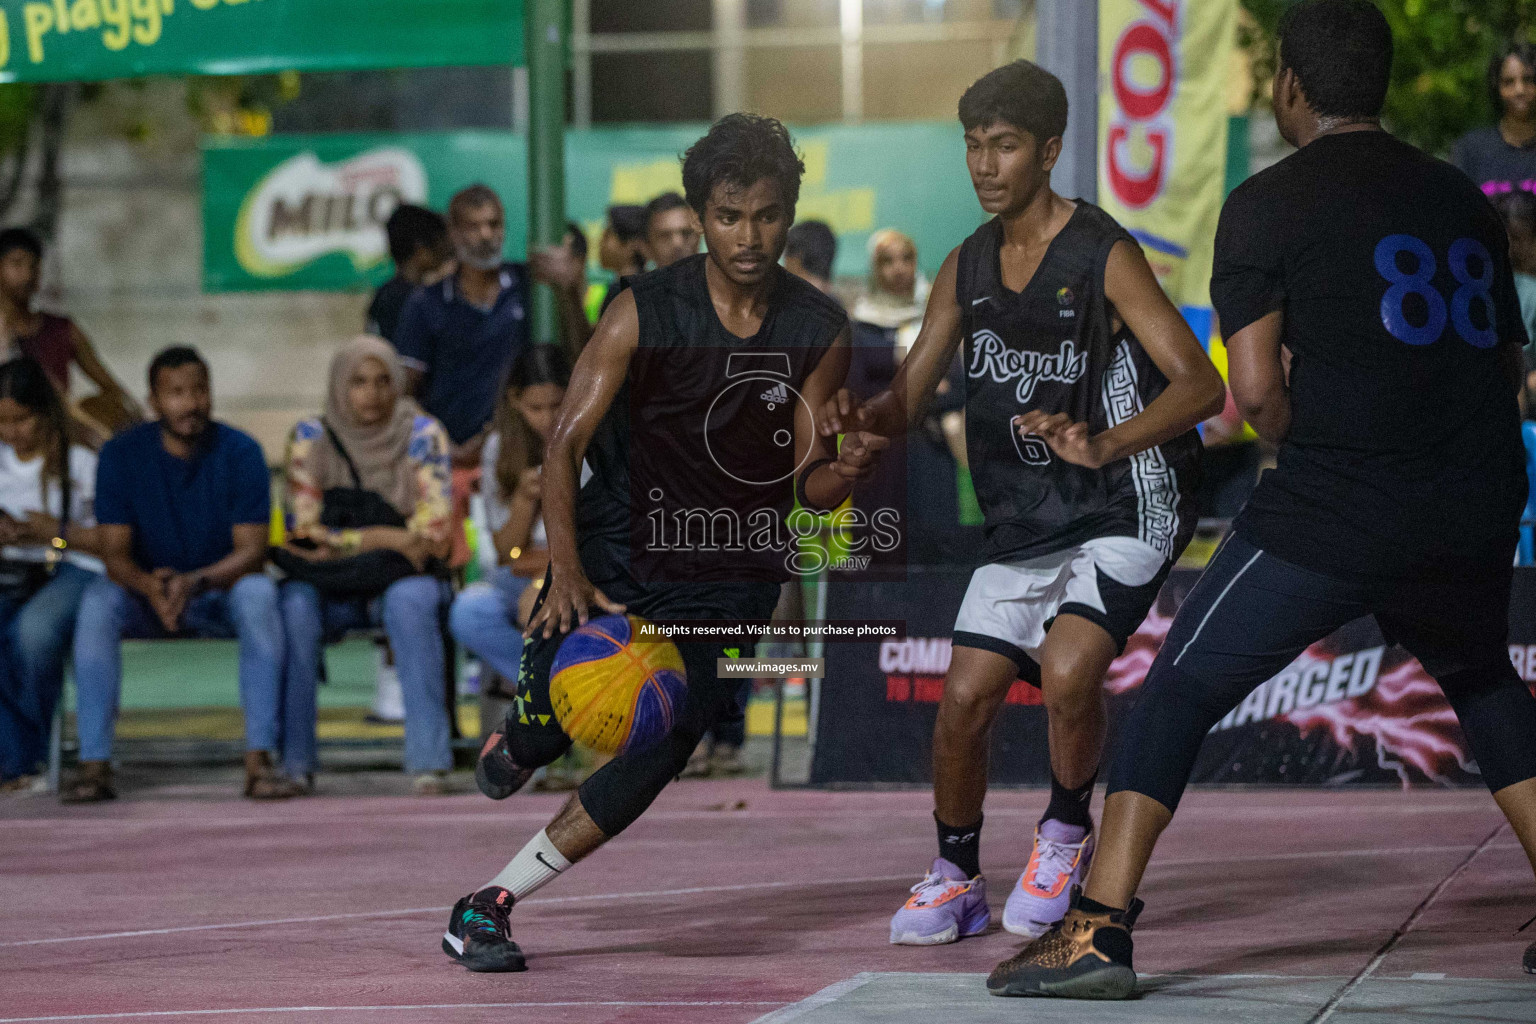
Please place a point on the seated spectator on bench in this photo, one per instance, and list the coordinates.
(184, 507)
(371, 477)
(487, 617)
(41, 582)
(56, 342)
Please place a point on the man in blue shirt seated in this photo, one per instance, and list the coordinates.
(184, 506)
(459, 338)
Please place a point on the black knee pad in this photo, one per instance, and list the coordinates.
(1498, 716)
(617, 794)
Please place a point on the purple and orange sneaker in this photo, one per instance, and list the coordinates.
(1059, 861)
(945, 906)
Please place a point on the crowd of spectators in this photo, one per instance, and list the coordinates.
(167, 531)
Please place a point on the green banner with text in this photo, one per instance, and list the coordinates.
(90, 40)
(307, 212)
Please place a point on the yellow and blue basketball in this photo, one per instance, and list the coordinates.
(613, 693)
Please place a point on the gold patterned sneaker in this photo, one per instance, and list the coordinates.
(1086, 956)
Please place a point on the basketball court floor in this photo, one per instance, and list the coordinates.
(732, 903)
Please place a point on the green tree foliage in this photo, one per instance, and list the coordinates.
(1439, 76)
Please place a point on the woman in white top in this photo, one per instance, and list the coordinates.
(487, 618)
(45, 560)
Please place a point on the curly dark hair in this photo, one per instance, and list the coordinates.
(741, 150)
(1022, 94)
(1524, 51)
(1341, 52)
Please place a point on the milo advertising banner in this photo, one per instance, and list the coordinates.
(89, 40)
(307, 212)
(1163, 134)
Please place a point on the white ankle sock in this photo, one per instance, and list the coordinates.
(534, 867)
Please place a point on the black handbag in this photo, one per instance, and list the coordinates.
(363, 575)
(19, 578)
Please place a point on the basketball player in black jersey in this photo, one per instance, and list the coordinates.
(683, 405)
(1384, 274)
(1083, 388)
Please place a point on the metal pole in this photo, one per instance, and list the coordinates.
(730, 56)
(1068, 47)
(851, 18)
(547, 38)
(581, 63)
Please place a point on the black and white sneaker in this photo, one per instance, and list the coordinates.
(479, 932)
(1530, 958)
(497, 775)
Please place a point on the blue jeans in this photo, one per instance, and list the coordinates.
(36, 636)
(246, 612)
(484, 620)
(410, 612)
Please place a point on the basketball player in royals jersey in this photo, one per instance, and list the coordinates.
(1083, 388)
(679, 399)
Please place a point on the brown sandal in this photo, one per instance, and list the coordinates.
(91, 786)
(264, 782)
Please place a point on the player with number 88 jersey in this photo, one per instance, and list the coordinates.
(1397, 492)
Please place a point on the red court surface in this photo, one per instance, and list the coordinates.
(731, 903)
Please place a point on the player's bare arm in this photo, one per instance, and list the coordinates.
(1257, 366)
(1194, 393)
(595, 380)
(892, 412)
(831, 482)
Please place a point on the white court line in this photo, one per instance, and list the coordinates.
(816, 1000)
(836, 991)
(498, 817)
(1328, 1009)
(706, 889)
(358, 1009)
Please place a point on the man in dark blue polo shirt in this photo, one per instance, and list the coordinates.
(184, 506)
(458, 338)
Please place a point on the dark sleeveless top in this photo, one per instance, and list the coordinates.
(53, 346)
(1053, 346)
(697, 450)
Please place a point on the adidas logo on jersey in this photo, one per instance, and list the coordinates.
(776, 395)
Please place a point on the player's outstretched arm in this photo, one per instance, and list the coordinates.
(595, 380)
(1194, 392)
(894, 410)
(830, 473)
(1256, 366)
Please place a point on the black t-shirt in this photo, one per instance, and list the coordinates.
(1392, 273)
(384, 310)
(1493, 164)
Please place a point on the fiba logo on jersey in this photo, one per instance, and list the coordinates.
(991, 357)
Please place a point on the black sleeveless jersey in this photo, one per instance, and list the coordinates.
(1054, 347)
(694, 466)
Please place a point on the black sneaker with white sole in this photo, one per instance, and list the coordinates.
(497, 775)
(479, 932)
